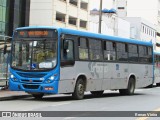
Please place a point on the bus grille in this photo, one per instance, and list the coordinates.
(29, 75)
(31, 86)
(36, 81)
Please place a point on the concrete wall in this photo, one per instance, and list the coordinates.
(111, 25)
(43, 12)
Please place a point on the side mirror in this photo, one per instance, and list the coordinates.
(65, 44)
(5, 49)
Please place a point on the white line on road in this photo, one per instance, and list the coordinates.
(69, 118)
(65, 103)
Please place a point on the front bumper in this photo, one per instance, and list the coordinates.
(34, 88)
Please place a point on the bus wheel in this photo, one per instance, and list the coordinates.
(130, 89)
(78, 93)
(38, 95)
(97, 93)
(157, 84)
(149, 86)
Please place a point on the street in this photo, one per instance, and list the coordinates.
(146, 99)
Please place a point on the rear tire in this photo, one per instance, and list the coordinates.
(157, 84)
(97, 93)
(130, 89)
(149, 86)
(78, 93)
(38, 95)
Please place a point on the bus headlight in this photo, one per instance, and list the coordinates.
(13, 78)
(50, 79)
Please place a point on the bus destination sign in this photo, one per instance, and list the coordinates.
(35, 33)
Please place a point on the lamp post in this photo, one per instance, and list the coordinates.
(100, 17)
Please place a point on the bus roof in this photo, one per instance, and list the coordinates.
(90, 34)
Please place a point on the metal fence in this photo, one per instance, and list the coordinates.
(4, 69)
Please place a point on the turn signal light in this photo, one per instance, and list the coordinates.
(49, 88)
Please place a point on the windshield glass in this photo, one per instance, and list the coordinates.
(31, 54)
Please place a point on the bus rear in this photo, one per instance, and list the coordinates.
(34, 61)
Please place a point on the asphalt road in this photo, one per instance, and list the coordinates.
(110, 106)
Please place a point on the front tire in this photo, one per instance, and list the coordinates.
(38, 95)
(157, 84)
(97, 93)
(78, 93)
(130, 89)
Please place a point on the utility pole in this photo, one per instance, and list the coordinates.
(100, 16)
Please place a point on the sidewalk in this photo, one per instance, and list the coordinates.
(12, 95)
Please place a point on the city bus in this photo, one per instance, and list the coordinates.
(157, 68)
(51, 60)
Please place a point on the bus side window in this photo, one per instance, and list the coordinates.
(109, 51)
(68, 47)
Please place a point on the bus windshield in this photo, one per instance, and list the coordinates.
(30, 53)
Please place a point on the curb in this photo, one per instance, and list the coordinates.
(14, 97)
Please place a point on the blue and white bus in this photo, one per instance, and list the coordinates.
(50, 60)
(157, 68)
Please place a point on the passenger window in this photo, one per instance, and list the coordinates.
(109, 51)
(95, 49)
(83, 48)
(122, 52)
(68, 50)
(133, 53)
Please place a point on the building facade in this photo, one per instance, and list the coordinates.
(148, 10)
(13, 14)
(111, 24)
(62, 13)
(143, 30)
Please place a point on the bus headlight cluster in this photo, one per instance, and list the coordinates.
(50, 79)
(13, 78)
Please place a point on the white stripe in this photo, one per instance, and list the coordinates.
(68, 118)
(65, 103)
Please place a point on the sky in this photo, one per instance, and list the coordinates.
(135, 8)
(106, 4)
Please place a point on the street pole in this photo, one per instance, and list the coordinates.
(100, 17)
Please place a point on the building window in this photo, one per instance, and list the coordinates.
(121, 8)
(143, 29)
(3, 13)
(63, 0)
(73, 2)
(60, 16)
(83, 24)
(84, 5)
(72, 20)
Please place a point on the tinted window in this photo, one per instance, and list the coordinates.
(133, 53)
(83, 48)
(122, 54)
(143, 54)
(109, 50)
(95, 49)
